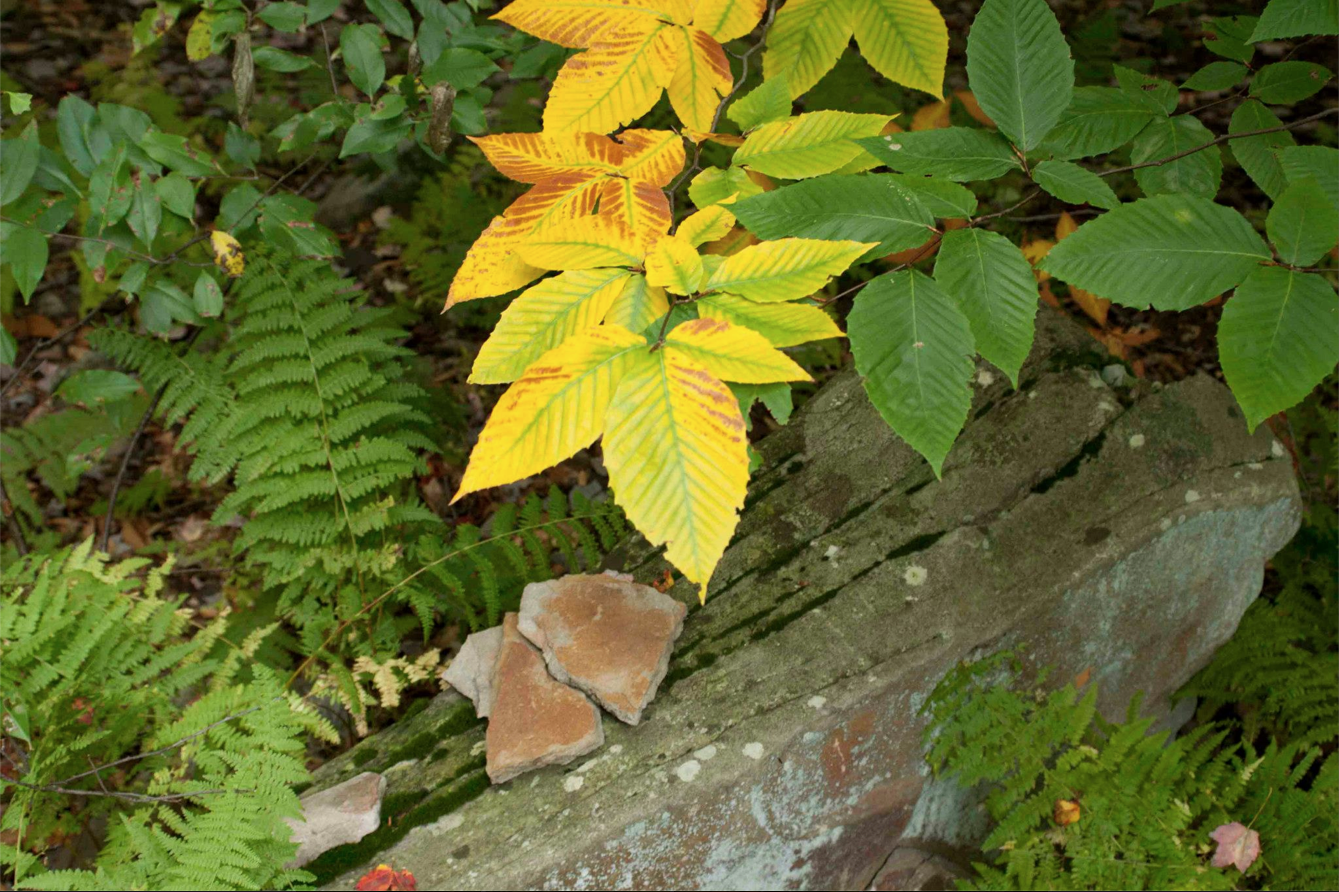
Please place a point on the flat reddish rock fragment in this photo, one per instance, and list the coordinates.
(471, 672)
(609, 637)
(342, 814)
(534, 720)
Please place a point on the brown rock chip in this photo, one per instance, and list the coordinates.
(609, 637)
(534, 721)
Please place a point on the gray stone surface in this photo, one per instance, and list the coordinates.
(1121, 531)
(471, 670)
(336, 816)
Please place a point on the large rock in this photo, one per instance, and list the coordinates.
(337, 816)
(1118, 533)
(471, 671)
(534, 720)
(609, 637)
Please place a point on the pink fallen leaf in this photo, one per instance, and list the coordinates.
(1237, 844)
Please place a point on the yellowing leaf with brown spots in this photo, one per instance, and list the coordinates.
(701, 79)
(638, 305)
(785, 269)
(228, 254)
(556, 408)
(706, 225)
(583, 243)
(581, 23)
(783, 324)
(734, 353)
(573, 174)
(677, 456)
(727, 20)
(618, 79)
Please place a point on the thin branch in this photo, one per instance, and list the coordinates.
(125, 464)
(117, 794)
(11, 521)
(51, 341)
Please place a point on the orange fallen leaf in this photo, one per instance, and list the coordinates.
(1083, 677)
(1095, 307)
(1066, 812)
(385, 877)
(969, 102)
(931, 117)
(1238, 845)
(664, 583)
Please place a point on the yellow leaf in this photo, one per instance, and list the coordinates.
(584, 243)
(618, 79)
(785, 269)
(228, 254)
(808, 145)
(806, 40)
(716, 186)
(677, 456)
(783, 324)
(931, 117)
(651, 156)
(492, 264)
(701, 79)
(556, 408)
(199, 39)
(638, 305)
(706, 225)
(904, 40)
(640, 208)
(734, 353)
(581, 23)
(674, 265)
(727, 20)
(535, 157)
(544, 317)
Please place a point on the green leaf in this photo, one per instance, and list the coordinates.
(1169, 251)
(239, 208)
(146, 212)
(942, 198)
(19, 103)
(1259, 155)
(241, 147)
(1076, 185)
(393, 16)
(714, 185)
(177, 194)
(1019, 68)
(20, 156)
(274, 59)
(862, 208)
(163, 304)
(767, 102)
(1154, 93)
(1099, 120)
(286, 220)
(1288, 82)
(284, 16)
(1303, 224)
(1297, 18)
(361, 48)
(132, 280)
(1216, 76)
(81, 138)
(176, 153)
(25, 250)
(320, 10)
(996, 288)
(954, 153)
(1199, 173)
(375, 135)
(467, 116)
(93, 386)
(1229, 37)
(1319, 163)
(463, 69)
(9, 348)
(913, 349)
(1276, 339)
(109, 187)
(208, 296)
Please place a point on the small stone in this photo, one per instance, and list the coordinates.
(605, 636)
(688, 770)
(817, 701)
(337, 816)
(471, 672)
(535, 721)
(707, 753)
(573, 782)
(754, 750)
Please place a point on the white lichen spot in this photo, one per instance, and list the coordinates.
(1256, 466)
(1166, 524)
(1137, 441)
(688, 770)
(1276, 449)
(587, 765)
(1192, 496)
(985, 378)
(707, 753)
(616, 749)
(1106, 406)
(915, 575)
(831, 553)
(911, 599)
(1032, 394)
(478, 748)
(573, 782)
(754, 750)
(818, 701)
